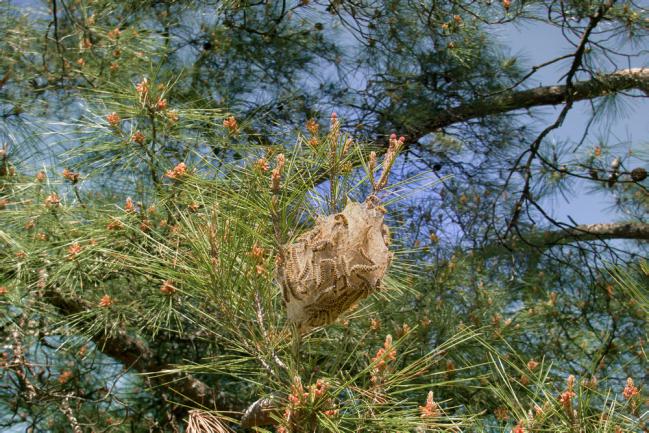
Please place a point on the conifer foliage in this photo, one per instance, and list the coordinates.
(191, 239)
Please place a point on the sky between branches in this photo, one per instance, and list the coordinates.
(534, 43)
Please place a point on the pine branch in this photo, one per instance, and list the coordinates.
(600, 85)
(260, 413)
(134, 353)
(579, 233)
(591, 232)
(569, 101)
(69, 414)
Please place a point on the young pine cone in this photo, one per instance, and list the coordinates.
(638, 174)
(337, 263)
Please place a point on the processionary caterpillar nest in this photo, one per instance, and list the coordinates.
(337, 263)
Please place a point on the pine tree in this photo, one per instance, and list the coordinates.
(181, 245)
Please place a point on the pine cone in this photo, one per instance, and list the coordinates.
(638, 174)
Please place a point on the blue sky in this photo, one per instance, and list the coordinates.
(535, 43)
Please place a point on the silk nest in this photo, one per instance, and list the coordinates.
(339, 262)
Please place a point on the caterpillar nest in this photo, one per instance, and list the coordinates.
(339, 262)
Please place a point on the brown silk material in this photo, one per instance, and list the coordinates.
(331, 267)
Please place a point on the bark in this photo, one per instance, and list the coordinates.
(592, 232)
(599, 85)
(579, 233)
(261, 413)
(135, 354)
